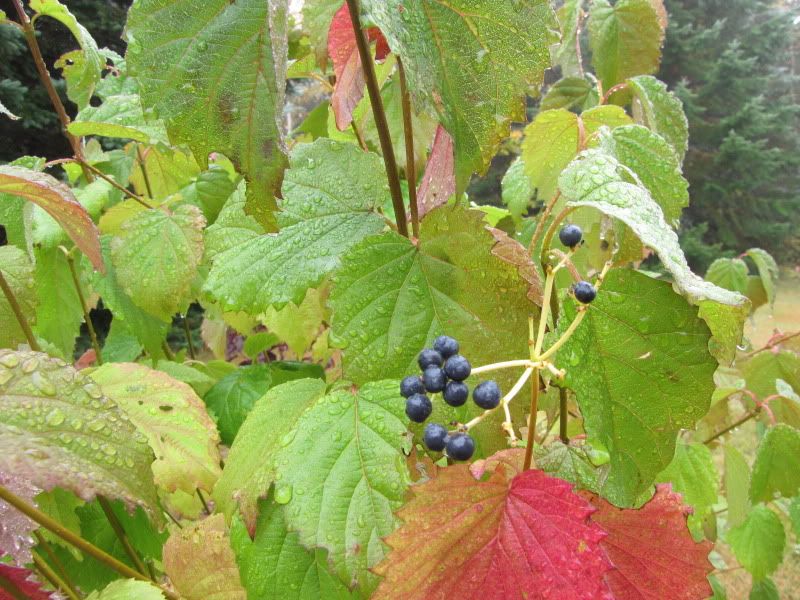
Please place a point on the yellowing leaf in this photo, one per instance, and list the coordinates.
(174, 420)
(17, 271)
(200, 562)
(156, 257)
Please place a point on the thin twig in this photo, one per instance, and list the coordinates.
(119, 530)
(772, 343)
(15, 307)
(144, 171)
(551, 230)
(121, 188)
(47, 82)
(188, 334)
(563, 413)
(565, 259)
(534, 408)
(408, 131)
(203, 501)
(542, 220)
(734, 425)
(380, 118)
(62, 572)
(68, 536)
(51, 576)
(359, 138)
(84, 306)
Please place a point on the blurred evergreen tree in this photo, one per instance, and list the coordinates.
(37, 132)
(732, 64)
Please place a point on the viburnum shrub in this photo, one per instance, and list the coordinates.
(395, 392)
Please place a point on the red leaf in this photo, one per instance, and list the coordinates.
(349, 88)
(439, 180)
(19, 580)
(653, 552)
(58, 200)
(502, 539)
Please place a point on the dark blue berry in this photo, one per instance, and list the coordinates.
(429, 358)
(418, 408)
(435, 437)
(456, 393)
(457, 367)
(411, 385)
(486, 395)
(584, 291)
(446, 346)
(460, 446)
(570, 236)
(434, 379)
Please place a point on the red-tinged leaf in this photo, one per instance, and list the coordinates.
(87, 359)
(439, 180)
(16, 530)
(59, 201)
(506, 538)
(349, 88)
(21, 581)
(653, 552)
(513, 460)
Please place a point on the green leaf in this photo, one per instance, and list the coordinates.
(429, 288)
(331, 195)
(156, 258)
(276, 566)
(729, 273)
(173, 419)
(200, 562)
(775, 468)
(233, 226)
(472, 63)
(660, 111)
(59, 313)
(17, 270)
(625, 38)
(210, 191)
(128, 589)
(737, 486)
(566, 54)
(552, 141)
(762, 373)
(693, 474)
(570, 93)
(250, 469)
(88, 63)
(758, 543)
(215, 72)
(150, 331)
(232, 398)
(343, 474)
(58, 428)
(95, 528)
(517, 190)
(764, 590)
(119, 117)
(386, 280)
(317, 17)
(794, 513)
(570, 463)
(598, 180)
(191, 374)
(257, 343)
(168, 171)
(59, 202)
(652, 159)
(61, 506)
(767, 270)
(640, 367)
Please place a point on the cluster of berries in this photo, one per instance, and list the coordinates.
(571, 236)
(444, 370)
